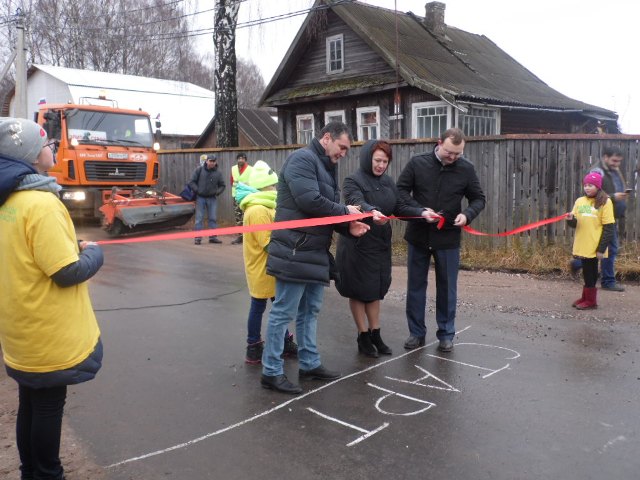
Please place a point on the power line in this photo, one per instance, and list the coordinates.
(210, 30)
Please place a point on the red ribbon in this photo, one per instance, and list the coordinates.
(312, 222)
(307, 222)
(523, 228)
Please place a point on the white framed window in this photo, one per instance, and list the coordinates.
(479, 121)
(334, 116)
(305, 128)
(368, 123)
(430, 119)
(335, 54)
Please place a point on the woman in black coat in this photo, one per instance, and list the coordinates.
(364, 263)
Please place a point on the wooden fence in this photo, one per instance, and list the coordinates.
(525, 178)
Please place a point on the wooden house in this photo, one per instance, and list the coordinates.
(398, 75)
(256, 128)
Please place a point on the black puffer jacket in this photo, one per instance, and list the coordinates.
(307, 188)
(364, 263)
(426, 182)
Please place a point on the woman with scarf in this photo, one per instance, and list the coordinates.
(48, 331)
(364, 263)
(257, 200)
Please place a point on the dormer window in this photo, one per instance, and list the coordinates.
(335, 54)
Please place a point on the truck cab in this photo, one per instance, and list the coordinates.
(99, 147)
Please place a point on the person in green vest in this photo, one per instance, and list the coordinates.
(240, 172)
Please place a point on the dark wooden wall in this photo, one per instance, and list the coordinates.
(525, 177)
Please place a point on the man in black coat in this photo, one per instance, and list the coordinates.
(300, 258)
(437, 181)
(208, 184)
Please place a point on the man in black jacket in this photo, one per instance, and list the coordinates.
(208, 183)
(437, 181)
(299, 258)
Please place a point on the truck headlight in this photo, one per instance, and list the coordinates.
(156, 146)
(75, 196)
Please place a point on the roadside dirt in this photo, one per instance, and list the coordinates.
(522, 294)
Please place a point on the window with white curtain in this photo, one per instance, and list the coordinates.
(305, 128)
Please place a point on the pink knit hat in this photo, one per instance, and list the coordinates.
(594, 178)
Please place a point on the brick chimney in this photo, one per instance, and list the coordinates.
(434, 19)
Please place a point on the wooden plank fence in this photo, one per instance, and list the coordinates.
(525, 178)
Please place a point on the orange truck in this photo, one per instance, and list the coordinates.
(107, 165)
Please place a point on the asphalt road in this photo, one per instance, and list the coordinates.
(175, 400)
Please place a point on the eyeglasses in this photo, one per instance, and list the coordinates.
(52, 145)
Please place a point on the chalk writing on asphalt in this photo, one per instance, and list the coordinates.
(392, 403)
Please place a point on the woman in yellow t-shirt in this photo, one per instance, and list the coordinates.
(592, 217)
(48, 331)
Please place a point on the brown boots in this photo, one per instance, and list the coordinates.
(588, 301)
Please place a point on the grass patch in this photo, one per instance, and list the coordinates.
(550, 260)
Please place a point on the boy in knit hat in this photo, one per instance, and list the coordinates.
(48, 331)
(257, 199)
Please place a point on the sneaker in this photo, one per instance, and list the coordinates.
(237, 241)
(616, 287)
(290, 347)
(197, 241)
(214, 240)
(254, 353)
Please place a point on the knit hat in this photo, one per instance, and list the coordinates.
(594, 178)
(262, 176)
(21, 139)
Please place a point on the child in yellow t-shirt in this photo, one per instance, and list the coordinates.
(592, 217)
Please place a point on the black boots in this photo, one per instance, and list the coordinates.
(378, 343)
(365, 345)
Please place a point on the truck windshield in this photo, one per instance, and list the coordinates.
(106, 128)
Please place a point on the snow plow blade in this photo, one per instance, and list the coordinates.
(132, 211)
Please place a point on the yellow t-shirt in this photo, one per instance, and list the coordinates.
(589, 228)
(260, 284)
(43, 327)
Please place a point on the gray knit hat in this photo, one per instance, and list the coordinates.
(21, 139)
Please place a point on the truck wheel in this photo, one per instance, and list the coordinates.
(116, 228)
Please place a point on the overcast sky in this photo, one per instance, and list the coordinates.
(582, 48)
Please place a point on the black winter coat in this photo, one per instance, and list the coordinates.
(364, 263)
(426, 182)
(307, 188)
(207, 182)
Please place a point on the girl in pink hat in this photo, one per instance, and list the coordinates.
(592, 217)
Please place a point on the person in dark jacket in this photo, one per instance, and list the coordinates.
(299, 258)
(364, 264)
(438, 180)
(613, 183)
(208, 183)
(49, 334)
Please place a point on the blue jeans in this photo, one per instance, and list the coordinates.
(607, 265)
(38, 429)
(302, 302)
(254, 322)
(447, 263)
(209, 204)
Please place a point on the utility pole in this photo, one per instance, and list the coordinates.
(20, 106)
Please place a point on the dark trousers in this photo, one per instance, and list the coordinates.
(447, 263)
(38, 430)
(254, 322)
(590, 271)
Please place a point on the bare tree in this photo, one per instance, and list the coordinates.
(249, 84)
(224, 39)
(138, 37)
